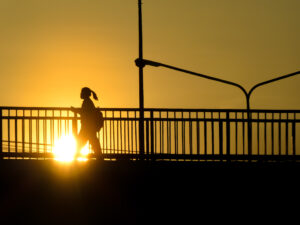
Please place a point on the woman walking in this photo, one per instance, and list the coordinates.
(88, 131)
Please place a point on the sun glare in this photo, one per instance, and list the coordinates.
(65, 149)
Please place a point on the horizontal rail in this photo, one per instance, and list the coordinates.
(152, 109)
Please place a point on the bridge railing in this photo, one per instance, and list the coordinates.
(170, 134)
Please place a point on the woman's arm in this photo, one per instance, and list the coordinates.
(75, 110)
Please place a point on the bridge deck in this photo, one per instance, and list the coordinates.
(142, 192)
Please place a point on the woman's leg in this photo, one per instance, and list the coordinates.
(81, 142)
(94, 141)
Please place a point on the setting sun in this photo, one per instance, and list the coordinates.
(65, 149)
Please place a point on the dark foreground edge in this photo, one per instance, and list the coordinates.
(143, 192)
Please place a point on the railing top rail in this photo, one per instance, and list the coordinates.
(33, 108)
(158, 109)
(222, 110)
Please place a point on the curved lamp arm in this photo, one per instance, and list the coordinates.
(144, 62)
(272, 80)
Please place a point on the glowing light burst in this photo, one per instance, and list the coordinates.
(65, 149)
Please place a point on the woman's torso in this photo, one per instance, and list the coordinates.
(87, 114)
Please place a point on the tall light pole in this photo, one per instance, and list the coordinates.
(141, 63)
(141, 81)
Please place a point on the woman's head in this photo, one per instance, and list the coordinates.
(86, 93)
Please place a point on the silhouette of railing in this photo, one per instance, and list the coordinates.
(170, 134)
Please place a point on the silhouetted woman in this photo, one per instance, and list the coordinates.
(88, 131)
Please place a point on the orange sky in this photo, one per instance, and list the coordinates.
(50, 49)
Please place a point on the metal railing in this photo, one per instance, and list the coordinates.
(169, 134)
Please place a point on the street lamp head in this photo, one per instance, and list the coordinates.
(143, 62)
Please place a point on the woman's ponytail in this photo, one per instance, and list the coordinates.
(94, 95)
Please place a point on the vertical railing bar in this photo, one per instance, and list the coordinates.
(131, 123)
(182, 133)
(16, 132)
(236, 134)
(175, 134)
(38, 131)
(294, 134)
(198, 134)
(227, 133)
(205, 133)
(120, 132)
(243, 132)
(8, 128)
(136, 134)
(155, 136)
(147, 137)
(104, 132)
(265, 134)
(98, 134)
(212, 134)
(220, 136)
(287, 134)
(114, 141)
(118, 136)
(135, 122)
(133, 132)
(151, 132)
(52, 131)
(45, 134)
(123, 126)
(108, 137)
(23, 132)
(191, 134)
(30, 132)
(163, 137)
(258, 139)
(168, 134)
(161, 133)
(123, 133)
(128, 136)
(272, 133)
(279, 134)
(129, 133)
(167, 131)
(111, 124)
(111, 134)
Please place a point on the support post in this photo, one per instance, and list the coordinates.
(141, 83)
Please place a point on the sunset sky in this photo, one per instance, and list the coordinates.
(50, 49)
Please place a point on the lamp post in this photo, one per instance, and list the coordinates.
(143, 62)
(141, 81)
